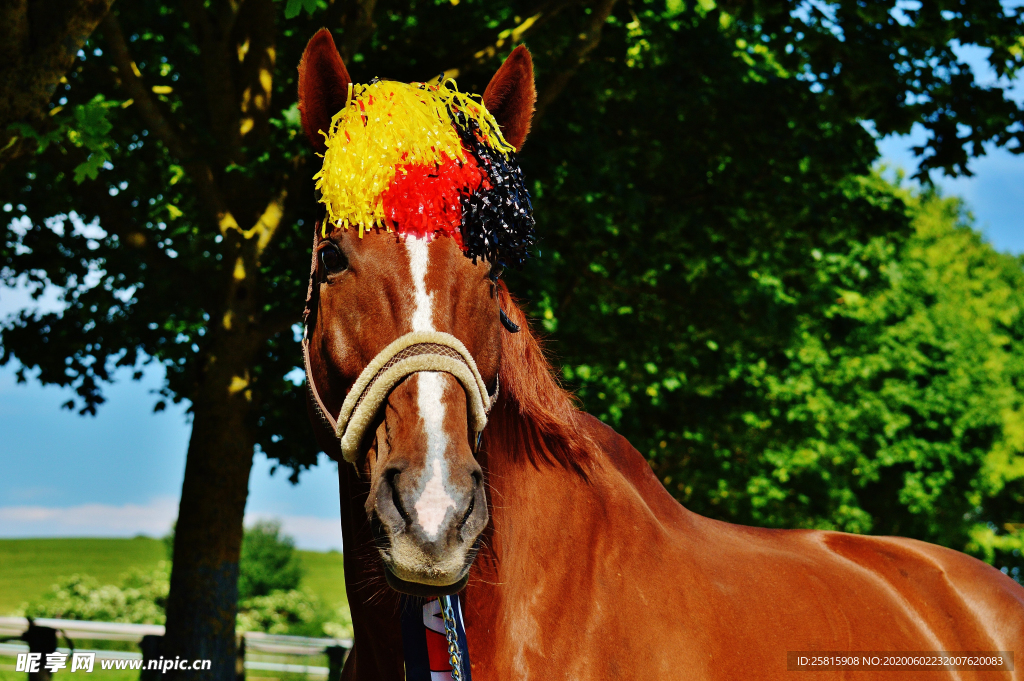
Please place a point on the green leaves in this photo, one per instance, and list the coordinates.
(138, 598)
(83, 126)
(293, 7)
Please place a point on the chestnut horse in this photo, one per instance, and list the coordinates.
(572, 559)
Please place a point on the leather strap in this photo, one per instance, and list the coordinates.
(318, 404)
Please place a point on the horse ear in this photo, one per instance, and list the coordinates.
(323, 86)
(511, 95)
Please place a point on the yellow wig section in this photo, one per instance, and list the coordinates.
(386, 124)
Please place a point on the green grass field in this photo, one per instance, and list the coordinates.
(325, 576)
(29, 566)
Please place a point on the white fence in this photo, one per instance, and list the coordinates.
(263, 652)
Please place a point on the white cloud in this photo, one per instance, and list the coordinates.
(89, 520)
(153, 518)
(310, 532)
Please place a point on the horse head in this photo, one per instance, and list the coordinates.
(403, 330)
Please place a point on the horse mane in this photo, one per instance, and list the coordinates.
(534, 415)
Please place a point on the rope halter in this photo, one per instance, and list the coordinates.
(414, 352)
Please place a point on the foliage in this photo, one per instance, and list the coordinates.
(895, 64)
(340, 625)
(282, 612)
(139, 598)
(269, 562)
(85, 126)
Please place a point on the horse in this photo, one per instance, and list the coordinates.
(572, 559)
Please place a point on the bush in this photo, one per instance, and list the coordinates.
(268, 563)
(283, 612)
(139, 598)
(340, 625)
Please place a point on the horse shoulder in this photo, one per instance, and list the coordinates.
(634, 471)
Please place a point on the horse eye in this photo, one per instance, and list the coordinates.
(332, 258)
(496, 270)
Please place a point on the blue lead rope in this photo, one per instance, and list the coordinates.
(424, 642)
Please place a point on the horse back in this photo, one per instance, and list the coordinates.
(740, 598)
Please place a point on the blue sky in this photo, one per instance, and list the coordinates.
(119, 474)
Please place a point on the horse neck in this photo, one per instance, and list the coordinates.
(531, 497)
(552, 526)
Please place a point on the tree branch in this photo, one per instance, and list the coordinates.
(268, 223)
(254, 36)
(576, 55)
(476, 56)
(216, 53)
(352, 23)
(35, 55)
(131, 81)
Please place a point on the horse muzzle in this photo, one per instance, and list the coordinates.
(427, 498)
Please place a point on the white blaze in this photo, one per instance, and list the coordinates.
(422, 316)
(434, 501)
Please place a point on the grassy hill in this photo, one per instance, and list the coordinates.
(29, 566)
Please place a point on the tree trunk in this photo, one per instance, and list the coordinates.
(203, 599)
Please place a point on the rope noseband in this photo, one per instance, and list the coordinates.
(414, 352)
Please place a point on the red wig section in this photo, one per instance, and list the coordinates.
(323, 86)
(511, 96)
(423, 200)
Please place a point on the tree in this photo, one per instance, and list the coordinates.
(38, 44)
(689, 161)
(682, 297)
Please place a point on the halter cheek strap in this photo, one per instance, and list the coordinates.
(408, 354)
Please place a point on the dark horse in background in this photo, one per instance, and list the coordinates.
(573, 560)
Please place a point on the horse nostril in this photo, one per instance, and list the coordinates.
(391, 477)
(469, 511)
(477, 481)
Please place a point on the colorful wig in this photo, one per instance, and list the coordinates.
(422, 159)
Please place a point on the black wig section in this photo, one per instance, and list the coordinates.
(497, 223)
